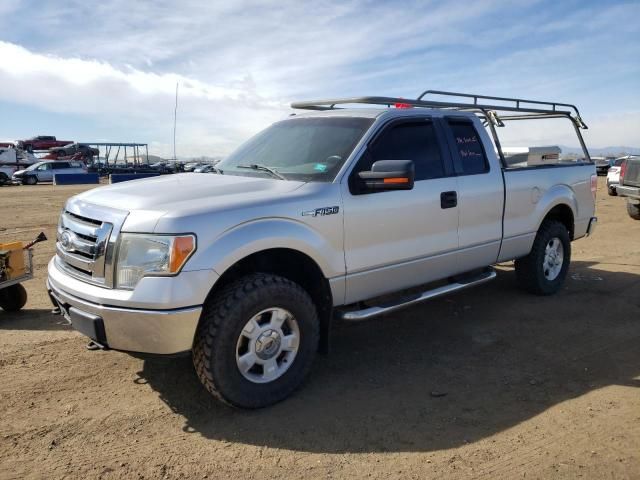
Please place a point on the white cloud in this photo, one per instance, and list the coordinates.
(240, 63)
(212, 118)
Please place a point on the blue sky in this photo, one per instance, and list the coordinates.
(106, 70)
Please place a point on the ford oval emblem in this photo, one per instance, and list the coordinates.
(66, 241)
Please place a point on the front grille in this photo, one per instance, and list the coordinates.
(86, 241)
(82, 244)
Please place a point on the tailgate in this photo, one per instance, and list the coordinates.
(632, 173)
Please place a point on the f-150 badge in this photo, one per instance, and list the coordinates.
(321, 211)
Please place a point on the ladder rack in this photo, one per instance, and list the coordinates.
(527, 108)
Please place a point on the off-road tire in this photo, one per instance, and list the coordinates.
(30, 180)
(13, 298)
(612, 191)
(223, 318)
(633, 209)
(529, 269)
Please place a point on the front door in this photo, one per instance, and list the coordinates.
(44, 172)
(398, 239)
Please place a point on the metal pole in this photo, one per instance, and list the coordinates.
(175, 116)
(496, 140)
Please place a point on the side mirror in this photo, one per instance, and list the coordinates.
(389, 175)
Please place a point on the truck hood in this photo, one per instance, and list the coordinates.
(187, 191)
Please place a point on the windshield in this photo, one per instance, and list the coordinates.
(35, 165)
(307, 149)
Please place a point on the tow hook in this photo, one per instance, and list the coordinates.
(93, 345)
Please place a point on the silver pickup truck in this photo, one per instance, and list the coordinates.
(332, 213)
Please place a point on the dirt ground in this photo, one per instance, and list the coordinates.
(488, 383)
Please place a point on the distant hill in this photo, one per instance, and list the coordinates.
(602, 152)
(156, 158)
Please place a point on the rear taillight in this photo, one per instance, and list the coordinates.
(594, 185)
(623, 169)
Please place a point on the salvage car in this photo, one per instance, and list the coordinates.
(45, 171)
(72, 149)
(613, 176)
(332, 213)
(41, 142)
(629, 185)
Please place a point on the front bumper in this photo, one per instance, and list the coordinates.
(135, 330)
(160, 316)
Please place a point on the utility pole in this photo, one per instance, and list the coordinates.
(175, 116)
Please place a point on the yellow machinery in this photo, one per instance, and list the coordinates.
(16, 266)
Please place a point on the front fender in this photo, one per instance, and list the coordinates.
(245, 239)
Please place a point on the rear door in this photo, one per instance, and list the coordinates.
(60, 167)
(480, 192)
(76, 167)
(398, 239)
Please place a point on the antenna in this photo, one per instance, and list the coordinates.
(175, 115)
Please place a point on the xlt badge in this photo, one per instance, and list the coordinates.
(321, 211)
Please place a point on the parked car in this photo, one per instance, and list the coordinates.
(208, 168)
(629, 185)
(348, 213)
(73, 149)
(42, 142)
(164, 166)
(613, 176)
(12, 160)
(191, 166)
(44, 171)
(602, 164)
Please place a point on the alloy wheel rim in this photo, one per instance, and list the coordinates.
(553, 259)
(267, 345)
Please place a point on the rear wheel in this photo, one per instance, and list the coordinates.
(4, 178)
(634, 210)
(543, 271)
(13, 298)
(256, 341)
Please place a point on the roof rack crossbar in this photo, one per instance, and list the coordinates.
(330, 104)
(518, 102)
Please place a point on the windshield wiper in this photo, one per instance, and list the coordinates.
(263, 168)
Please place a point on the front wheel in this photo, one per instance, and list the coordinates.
(30, 180)
(256, 340)
(13, 298)
(543, 271)
(633, 209)
(612, 191)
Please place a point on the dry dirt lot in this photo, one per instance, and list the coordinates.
(531, 387)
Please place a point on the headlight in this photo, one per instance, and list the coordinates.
(141, 255)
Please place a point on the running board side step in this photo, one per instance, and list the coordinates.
(461, 284)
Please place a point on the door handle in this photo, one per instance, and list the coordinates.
(448, 199)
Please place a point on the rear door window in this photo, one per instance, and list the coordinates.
(469, 154)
